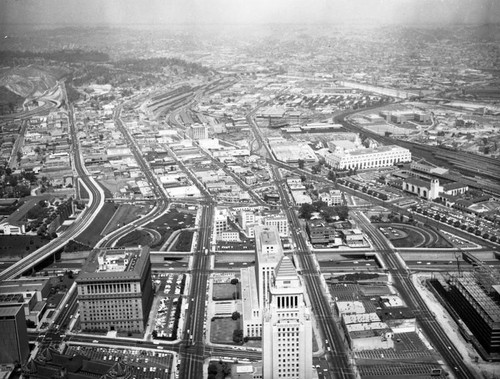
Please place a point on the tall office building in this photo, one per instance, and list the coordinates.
(115, 289)
(268, 251)
(14, 345)
(197, 131)
(287, 328)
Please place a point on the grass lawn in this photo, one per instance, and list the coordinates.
(135, 238)
(93, 233)
(226, 291)
(170, 221)
(184, 241)
(125, 214)
(413, 236)
(221, 330)
(412, 239)
(84, 194)
(19, 246)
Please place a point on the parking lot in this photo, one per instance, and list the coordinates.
(145, 364)
(170, 291)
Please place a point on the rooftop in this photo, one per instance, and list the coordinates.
(489, 306)
(10, 311)
(118, 263)
(12, 298)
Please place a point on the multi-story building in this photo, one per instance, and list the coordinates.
(14, 343)
(383, 156)
(353, 237)
(280, 221)
(332, 198)
(220, 221)
(251, 312)
(246, 218)
(269, 252)
(229, 236)
(321, 232)
(476, 299)
(115, 289)
(287, 328)
(197, 131)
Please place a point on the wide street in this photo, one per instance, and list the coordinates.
(339, 365)
(192, 352)
(400, 276)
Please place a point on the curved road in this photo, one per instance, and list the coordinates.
(96, 201)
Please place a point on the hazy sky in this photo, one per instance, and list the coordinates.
(157, 12)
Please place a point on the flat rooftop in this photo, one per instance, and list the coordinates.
(12, 298)
(118, 263)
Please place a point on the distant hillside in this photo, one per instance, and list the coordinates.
(29, 81)
(7, 57)
(9, 100)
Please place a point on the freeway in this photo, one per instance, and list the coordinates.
(16, 149)
(401, 278)
(162, 201)
(96, 201)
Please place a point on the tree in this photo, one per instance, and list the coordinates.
(342, 211)
(316, 169)
(301, 163)
(30, 324)
(331, 175)
(212, 369)
(236, 315)
(238, 336)
(234, 281)
(306, 211)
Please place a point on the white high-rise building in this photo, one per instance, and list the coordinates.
(278, 220)
(247, 218)
(268, 251)
(220, 221)
(287, 329)
(197, 131)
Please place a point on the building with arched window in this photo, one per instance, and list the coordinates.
(361, 159)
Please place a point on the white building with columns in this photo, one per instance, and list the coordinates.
(361, 159)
